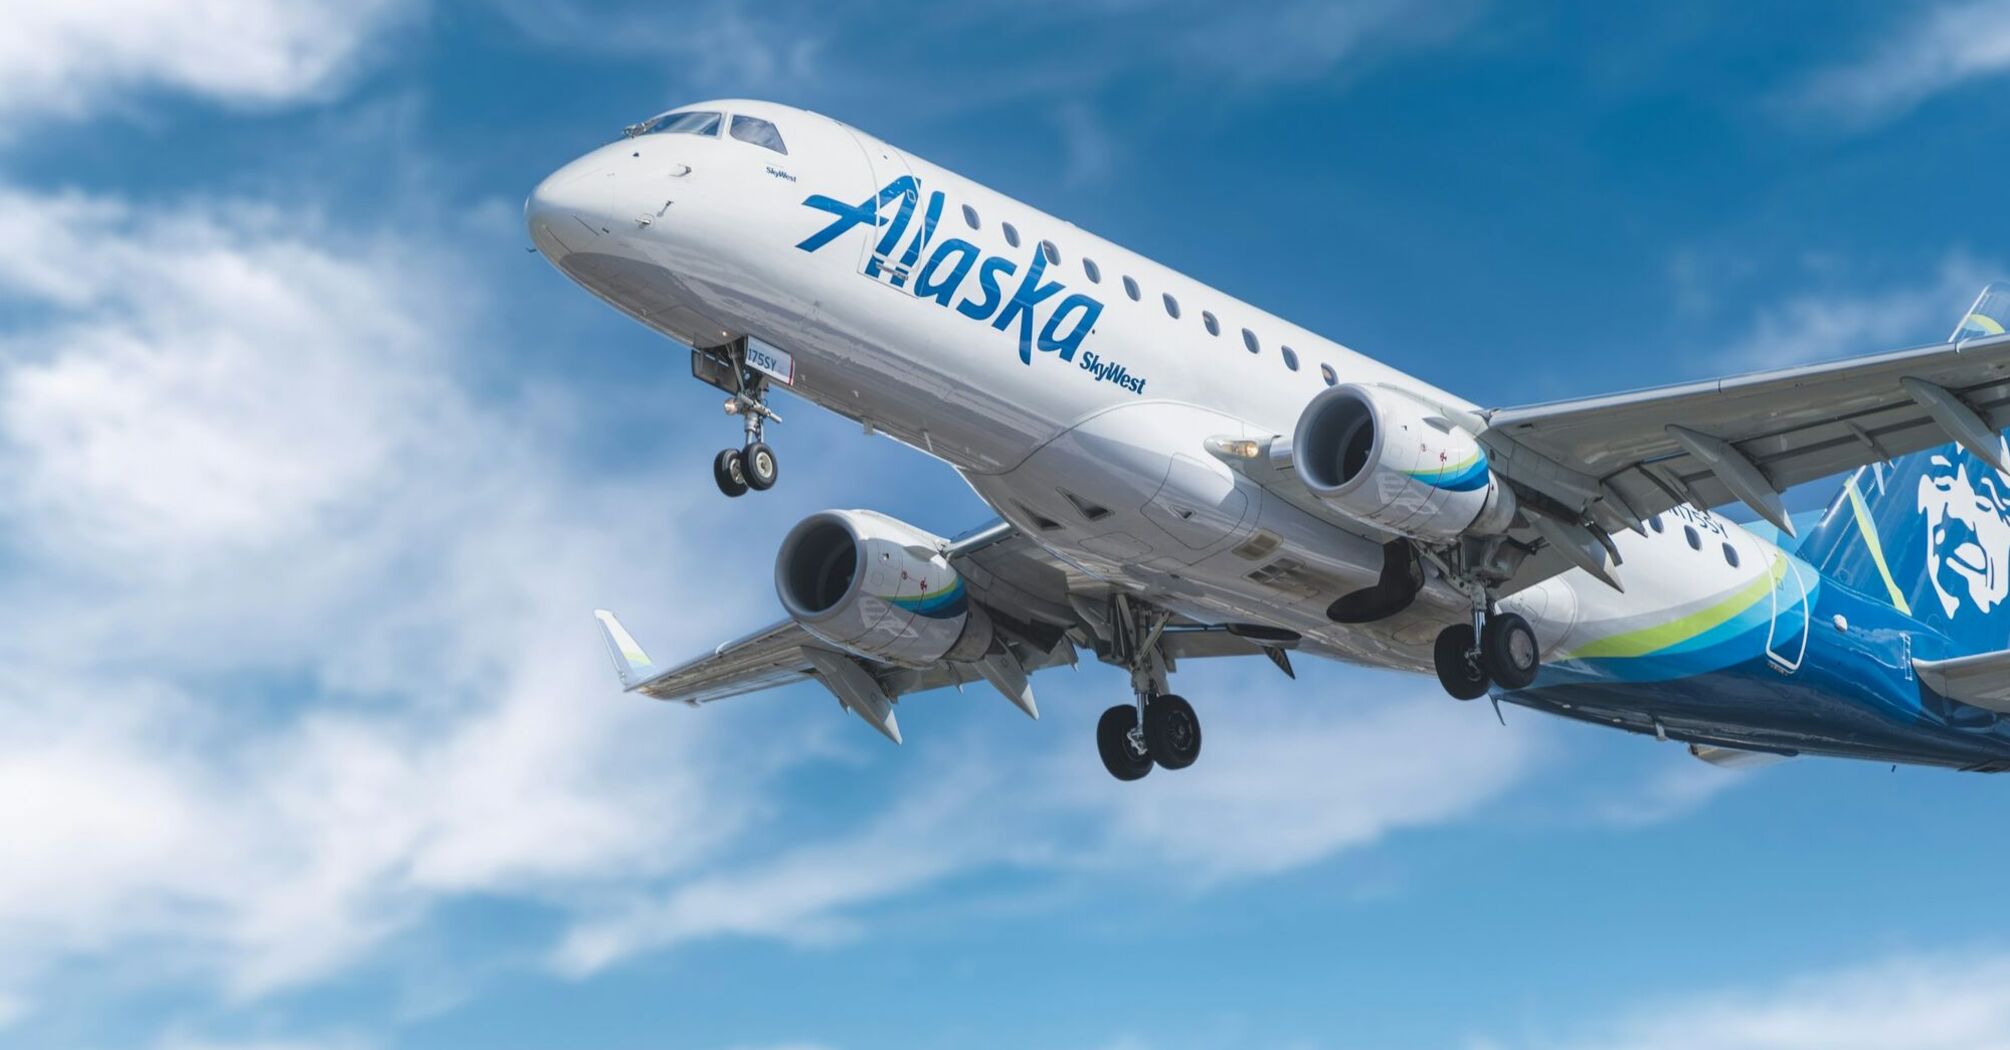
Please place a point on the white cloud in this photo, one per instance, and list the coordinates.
(1286, 781)
(69, 59)
(1941, 47)
(1680, 784)
(1946, 1001)
(1844, 322)
(236, 447)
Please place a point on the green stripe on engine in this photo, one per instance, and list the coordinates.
(1870, 540)
(1675, 632)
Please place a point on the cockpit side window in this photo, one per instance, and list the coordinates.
(759, 132)
(692, 122)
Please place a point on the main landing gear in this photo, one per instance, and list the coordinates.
(751, 466)
(1157, 728)
(1497, 648)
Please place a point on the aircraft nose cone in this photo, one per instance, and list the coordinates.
(564, 213)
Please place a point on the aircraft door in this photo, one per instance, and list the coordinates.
(1787, 640)
(890, 255)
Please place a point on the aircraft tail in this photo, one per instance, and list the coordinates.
(1930, 531)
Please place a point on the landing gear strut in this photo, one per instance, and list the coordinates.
(1157, 727)
(751, 466)
(1497, 648)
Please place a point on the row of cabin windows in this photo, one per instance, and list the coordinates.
(1695, 540)
(1095, 275)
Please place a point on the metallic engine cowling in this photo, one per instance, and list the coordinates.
(1392, 460)
(880, 588)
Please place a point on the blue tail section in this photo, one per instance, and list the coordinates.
(1929, 532)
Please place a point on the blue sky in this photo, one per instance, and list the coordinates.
(306, 738)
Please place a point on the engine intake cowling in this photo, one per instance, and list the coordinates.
(1389, 459)
(878, 587)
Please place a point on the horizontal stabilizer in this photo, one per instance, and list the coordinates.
(1981, 681)
(630, 662)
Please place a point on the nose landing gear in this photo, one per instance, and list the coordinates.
(752, 466)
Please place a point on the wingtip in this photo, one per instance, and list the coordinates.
(631, 663)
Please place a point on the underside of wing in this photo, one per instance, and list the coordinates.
(1037, 612)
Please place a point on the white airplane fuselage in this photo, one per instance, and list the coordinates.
(698, 237)
(1074, 384)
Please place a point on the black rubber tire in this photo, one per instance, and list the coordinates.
(728, 471)
(1455, 672)
(1172, 731)
(1509, 651)
(1113, 742)
(758, 463)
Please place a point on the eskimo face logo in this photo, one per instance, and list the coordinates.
(1045, 318)
(1966, 504)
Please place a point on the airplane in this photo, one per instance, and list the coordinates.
(1180, 475)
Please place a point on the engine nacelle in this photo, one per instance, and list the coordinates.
(1391, 460)
(880, 588)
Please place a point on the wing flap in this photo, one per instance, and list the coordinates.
(1616, 458)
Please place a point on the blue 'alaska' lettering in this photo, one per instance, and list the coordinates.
(1020, 309)
(850, 215)
(1065, 345)
(928, 287)
(945, 269)
(987, 279)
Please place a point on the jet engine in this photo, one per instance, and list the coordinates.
(1384, 457)
(880, 588)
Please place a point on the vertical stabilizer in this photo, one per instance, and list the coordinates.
(1930, 532)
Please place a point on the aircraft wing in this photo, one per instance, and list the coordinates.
(1613, 461)
(1037, 604)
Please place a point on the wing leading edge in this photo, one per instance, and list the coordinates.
(1035, 600)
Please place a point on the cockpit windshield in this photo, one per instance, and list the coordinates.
(688, 122)
(759, 132)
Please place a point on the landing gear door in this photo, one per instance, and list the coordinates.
(1787, 640)
(891, 255)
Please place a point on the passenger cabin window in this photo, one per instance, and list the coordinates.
(1213, 326)
(1095, 272)
(1654, 523)
(1011, 235)
(1695, 541)
(1730, 556)
(1052, 253)
(1326, 372)
(1249, 340)
(970, 217)
(1290, 357)
(759, 132)
(690, 123)
(1131, 288)
(1172, 306)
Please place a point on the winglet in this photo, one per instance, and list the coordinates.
(630, 662)
(1989, 315)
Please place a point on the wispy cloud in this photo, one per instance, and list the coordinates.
(1944, 1001)
(1678, 786)
(1936, 48)
(1843, 320)
(68, 59)
(293, 638)
(1286, 783)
